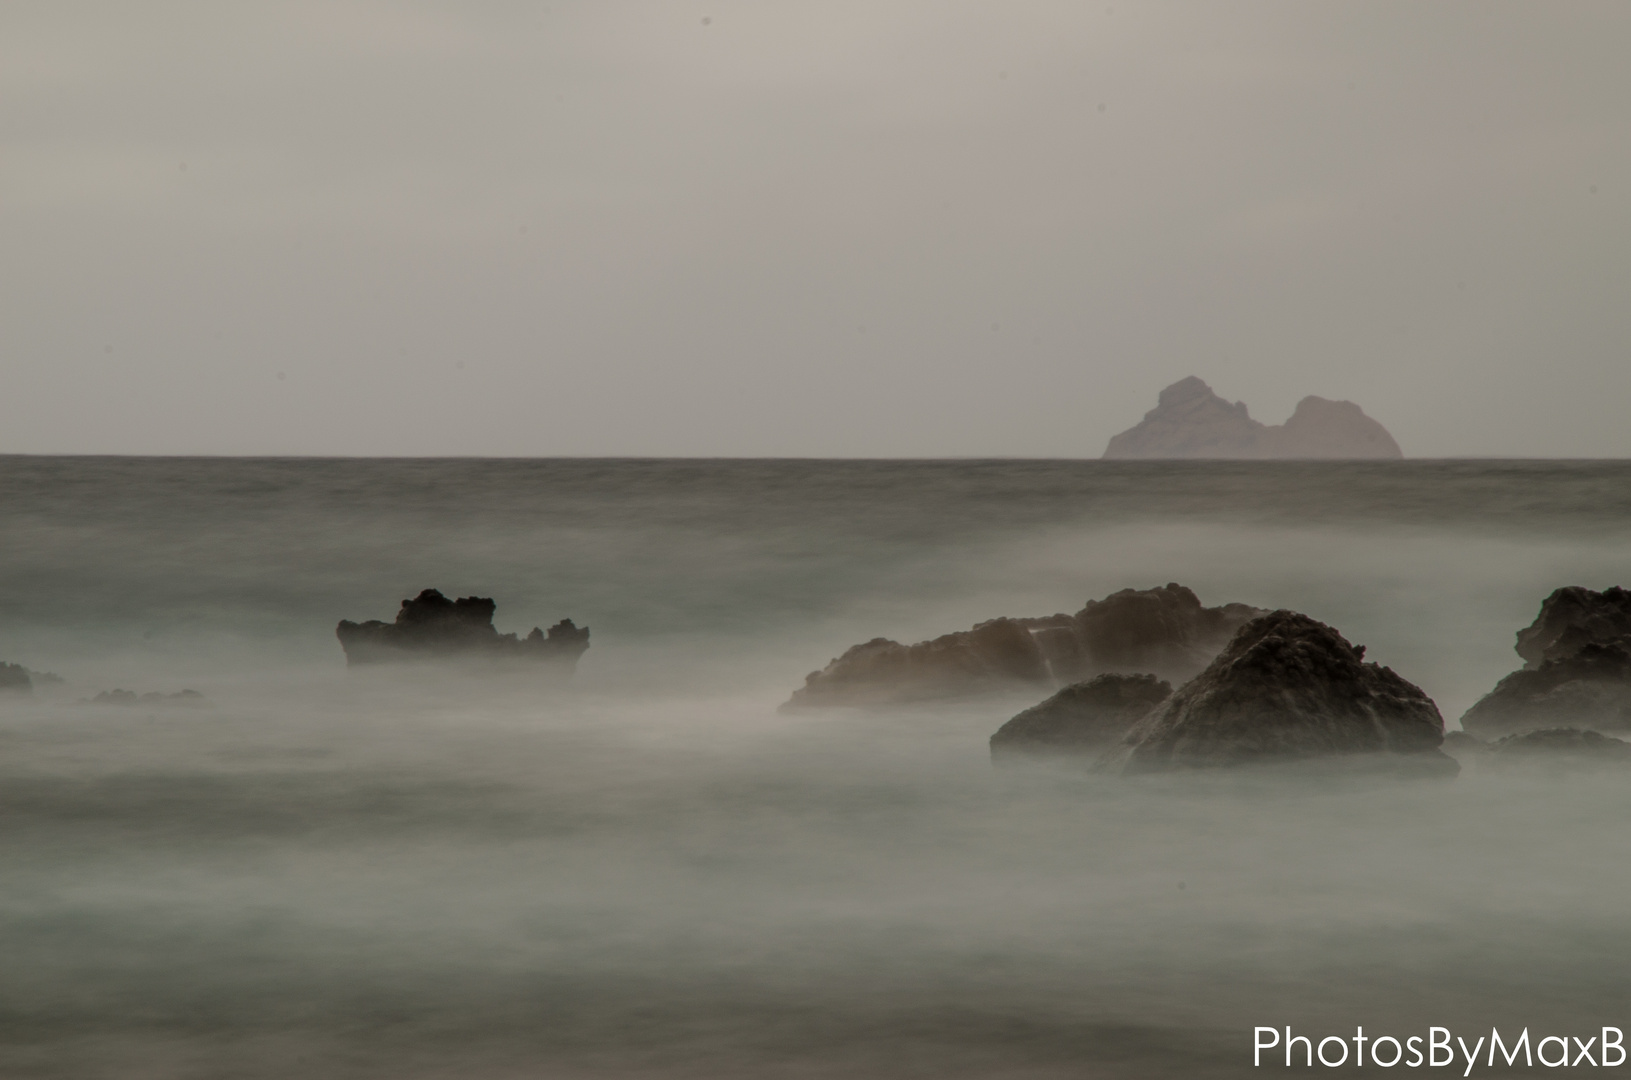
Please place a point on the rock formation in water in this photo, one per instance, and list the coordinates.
(1288, 688)
(1571, 618)
(1084, 717)
(433, 627)
(1164, 631)
(1565, 747)
(14, 679)
(1576, 673)
(1190, 421)
(994, 655)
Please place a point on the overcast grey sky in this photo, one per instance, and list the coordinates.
(879, 227)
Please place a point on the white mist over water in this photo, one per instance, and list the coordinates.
(649, 871)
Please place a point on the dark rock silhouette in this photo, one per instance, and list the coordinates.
(1288, 688)
(1571, 618)
(1591, 688)
(130, 697)
(1566, 747)
(1164, 630)
(1576, 673)
(431, 626)
(1085, 717)
(1190, 421)
(14, 679)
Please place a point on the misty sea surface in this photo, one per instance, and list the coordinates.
(649, 871)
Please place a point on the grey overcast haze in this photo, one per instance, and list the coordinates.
(880, 228)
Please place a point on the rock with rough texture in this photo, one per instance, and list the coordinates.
(995, 655)
(1288, 688)
(1576, 671)
(1591, 688)
(1567, 747)
(432, 627)
(1164, 630)
(1571, 618)
(14, 679)
(1085, 717)
(1190, 421)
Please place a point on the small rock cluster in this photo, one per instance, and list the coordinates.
(431, 626)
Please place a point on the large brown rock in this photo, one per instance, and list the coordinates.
(1190, 421)
(1165, 631)
(431, 627)
(1083, 718)
(1576, 673)
(1288, 688)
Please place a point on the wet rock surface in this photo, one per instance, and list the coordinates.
(1083, 718)
(431, 626)
(1288, 688)
(1164, 631)
(1576, 673)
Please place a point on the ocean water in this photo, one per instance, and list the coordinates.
(648, 871)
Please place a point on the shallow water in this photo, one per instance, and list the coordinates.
(649, 871)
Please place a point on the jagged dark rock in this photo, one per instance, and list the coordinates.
(1576, 673)
(1190, 421)
(14, 679)
(431, 626)
(1085, 717)
(1566, 747)
(1288, 688)
(1572, 618)
(1163, 630)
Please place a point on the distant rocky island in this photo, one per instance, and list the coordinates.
(1190, 421)
(432, 627)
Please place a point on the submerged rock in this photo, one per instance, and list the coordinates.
(1163, 630)
(1190, 421)
(1570, 747)
(14, 679)
(1576, 673)
(1085, 717)
(431, 626)
(1288, 688)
